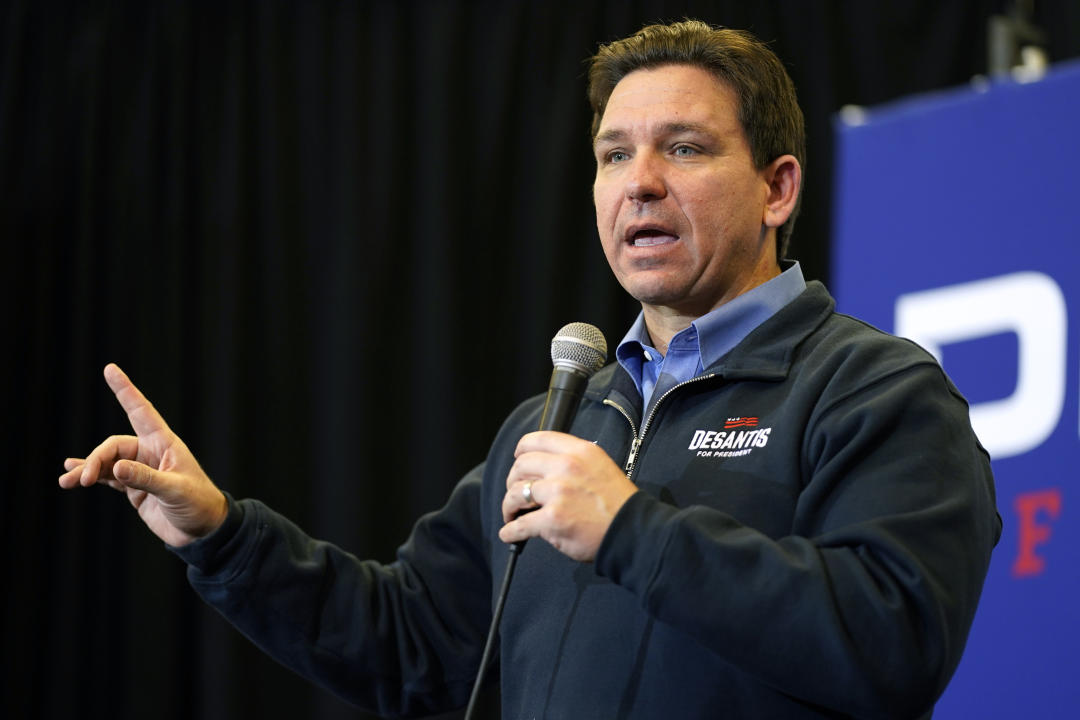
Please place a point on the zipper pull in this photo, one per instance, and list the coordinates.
(632, 458)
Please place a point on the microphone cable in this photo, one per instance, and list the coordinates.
(577, 351)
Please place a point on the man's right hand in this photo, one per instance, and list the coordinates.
(154, 467)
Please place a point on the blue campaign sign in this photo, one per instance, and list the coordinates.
(956, 226)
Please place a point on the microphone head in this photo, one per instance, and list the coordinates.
(579, 346)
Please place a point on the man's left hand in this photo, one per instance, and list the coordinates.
(575, 491)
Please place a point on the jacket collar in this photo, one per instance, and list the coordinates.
(766, 353)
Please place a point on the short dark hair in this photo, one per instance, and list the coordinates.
(768, 108)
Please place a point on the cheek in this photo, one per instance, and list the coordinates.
(716, 210)
(607, 210)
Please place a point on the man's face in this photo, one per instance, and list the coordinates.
(679, 203)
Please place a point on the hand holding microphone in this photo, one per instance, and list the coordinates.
(571, 483)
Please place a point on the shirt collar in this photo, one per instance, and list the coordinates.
(726, 326)
(721, 329)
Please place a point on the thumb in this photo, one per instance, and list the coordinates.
(136, 475)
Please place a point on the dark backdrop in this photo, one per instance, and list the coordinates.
(331, 241)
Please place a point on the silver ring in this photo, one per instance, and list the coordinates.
(526, 492)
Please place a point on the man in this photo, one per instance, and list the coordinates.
(764, 509)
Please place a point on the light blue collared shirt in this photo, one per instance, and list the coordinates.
(707, 339)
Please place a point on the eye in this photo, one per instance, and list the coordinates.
(616, 156)
(685, 151)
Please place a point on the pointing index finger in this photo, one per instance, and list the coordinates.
(144, 418)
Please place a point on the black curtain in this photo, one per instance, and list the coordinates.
(331, 241)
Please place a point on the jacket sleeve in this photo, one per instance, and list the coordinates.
(865, 606)
(402, 639)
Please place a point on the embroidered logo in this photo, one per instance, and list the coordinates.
(734, 440)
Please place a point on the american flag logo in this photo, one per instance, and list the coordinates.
(740, 422)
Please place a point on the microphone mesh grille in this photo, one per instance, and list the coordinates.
(580, 345)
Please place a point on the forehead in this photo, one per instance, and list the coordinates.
(670, 93)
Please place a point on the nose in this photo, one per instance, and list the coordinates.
(645, 182)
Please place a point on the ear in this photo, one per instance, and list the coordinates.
(784, 178)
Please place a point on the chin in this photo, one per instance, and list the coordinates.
(659, 296)
(663, 286)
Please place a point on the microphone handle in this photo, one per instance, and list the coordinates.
(564, 396)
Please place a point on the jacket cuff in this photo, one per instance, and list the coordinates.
(208, 554)
(632, 549)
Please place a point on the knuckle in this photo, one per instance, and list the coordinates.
(554, 495)
(558, 517)
(575, 466)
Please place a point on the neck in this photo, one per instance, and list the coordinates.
(663, 321)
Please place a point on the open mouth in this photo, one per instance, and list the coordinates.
(650, 237)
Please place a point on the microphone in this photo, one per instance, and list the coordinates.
(577, 351)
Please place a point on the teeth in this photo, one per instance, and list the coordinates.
(651, 238)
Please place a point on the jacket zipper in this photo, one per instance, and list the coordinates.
(635, 446)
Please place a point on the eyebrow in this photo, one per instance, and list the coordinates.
(671, 128)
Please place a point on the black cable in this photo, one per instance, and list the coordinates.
(577, 351)
(515, 551)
